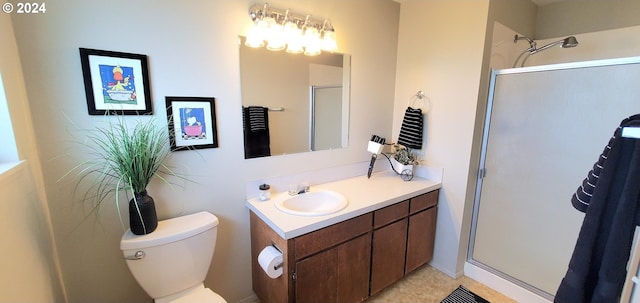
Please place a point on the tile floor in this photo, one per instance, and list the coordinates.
(429, 285)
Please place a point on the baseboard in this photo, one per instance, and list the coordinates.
(250, 299)
(443, 269)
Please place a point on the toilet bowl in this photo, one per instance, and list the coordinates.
(171, 263)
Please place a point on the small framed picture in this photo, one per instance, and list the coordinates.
(115, 83)
(192, 122)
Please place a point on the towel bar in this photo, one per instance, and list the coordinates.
(420, 97)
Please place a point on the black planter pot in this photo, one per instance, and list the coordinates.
(142, 219)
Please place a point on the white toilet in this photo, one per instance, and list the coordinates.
(171, 263)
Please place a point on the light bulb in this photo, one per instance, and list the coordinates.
(329, 41)
(276, 37)
(294, 47)
(311, 41)
(254, 37)
(312, 50)
(290, 28)
(293, 35)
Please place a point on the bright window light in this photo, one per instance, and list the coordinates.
(8, 148)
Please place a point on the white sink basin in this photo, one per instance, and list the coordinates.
(313, 203)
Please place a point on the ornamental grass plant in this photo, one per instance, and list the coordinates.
(121, 159)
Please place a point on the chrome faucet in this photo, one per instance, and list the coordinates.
(297, 189)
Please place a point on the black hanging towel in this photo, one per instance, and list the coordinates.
(257, 142)
(257, 118)
(597, 269)
(411, 129)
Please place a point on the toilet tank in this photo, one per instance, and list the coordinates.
(177, 254)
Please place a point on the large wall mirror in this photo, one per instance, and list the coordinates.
(293, 103)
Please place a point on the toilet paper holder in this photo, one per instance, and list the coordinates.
(278, 266)
(281, 264)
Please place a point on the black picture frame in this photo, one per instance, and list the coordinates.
(192, 122)
(115, 83)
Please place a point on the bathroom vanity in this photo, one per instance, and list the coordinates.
(386, 231)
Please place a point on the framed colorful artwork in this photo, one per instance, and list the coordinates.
(192, 122)
(115, 83)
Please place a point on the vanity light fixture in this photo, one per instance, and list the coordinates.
(279, 29)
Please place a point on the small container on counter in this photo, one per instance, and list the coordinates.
(265, 192)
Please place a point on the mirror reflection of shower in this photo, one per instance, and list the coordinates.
(533, 49)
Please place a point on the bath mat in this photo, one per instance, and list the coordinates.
(463, 295)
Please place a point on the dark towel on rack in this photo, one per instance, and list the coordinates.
(597, 269)
(258, 116)
(256, 138)
(411, 129)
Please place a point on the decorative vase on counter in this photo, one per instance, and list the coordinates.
(142, 214)
(399, 167)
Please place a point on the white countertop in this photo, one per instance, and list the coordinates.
(364, 195)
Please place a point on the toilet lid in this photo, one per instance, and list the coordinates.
(203, 295)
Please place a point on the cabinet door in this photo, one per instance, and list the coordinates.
(420, 238)
(388, 253)
(354, 264)
(340, 274)
(317, 278)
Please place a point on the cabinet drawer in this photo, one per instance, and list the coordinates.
(329, 236)
(391, 213)
(423, 201)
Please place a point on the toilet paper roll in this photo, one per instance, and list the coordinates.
(270, 259)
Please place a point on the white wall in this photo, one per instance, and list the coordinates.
(440, 51)
(193, 51)
(30, 271)
(564, 18)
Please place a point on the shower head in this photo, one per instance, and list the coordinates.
(567, 42)
(570, 41)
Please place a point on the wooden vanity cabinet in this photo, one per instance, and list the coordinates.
(267, 289)
(336, 275)
(421, 232)
(351, 260)
(389, 245)
(403, 239)
(339, 273)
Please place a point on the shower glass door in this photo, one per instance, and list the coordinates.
(545, 127)
(326, 117)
